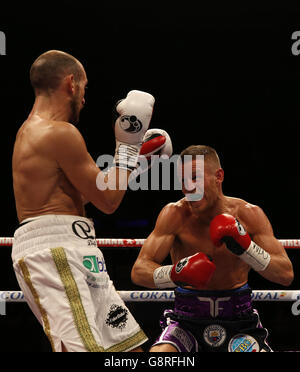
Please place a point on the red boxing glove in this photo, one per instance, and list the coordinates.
(224, 228)
(195, 271)
(156, 142)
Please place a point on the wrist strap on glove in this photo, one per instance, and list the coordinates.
(126, 156)
(255, 256)
(162, 277)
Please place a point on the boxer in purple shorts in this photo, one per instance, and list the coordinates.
(213, 241)
(208, 321)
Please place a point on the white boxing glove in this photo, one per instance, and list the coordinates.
(155, 142)
(135, 115)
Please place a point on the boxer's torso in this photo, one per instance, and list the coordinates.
(193, 236)
(40, 186)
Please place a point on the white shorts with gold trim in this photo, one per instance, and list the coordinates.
(63, 276)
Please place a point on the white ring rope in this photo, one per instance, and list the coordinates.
(167, 296)
(111, 242)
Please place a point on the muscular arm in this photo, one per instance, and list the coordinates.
(156, 247)
(280, 269)
(73, 158)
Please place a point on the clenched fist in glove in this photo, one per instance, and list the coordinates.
(195, 271)
(135, 115)
(225, 228)
(155, 142)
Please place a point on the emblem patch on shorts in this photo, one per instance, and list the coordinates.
(117, 317)
(214, 335)
(242, 343)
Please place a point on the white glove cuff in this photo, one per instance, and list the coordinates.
(256, 257)
(162, 277)
(126, 156)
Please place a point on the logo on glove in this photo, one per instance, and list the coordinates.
(130, 124)
(180, 265)
(240, 228)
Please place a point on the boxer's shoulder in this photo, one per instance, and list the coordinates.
(236, 206)
(40, 130)
(62, 128)
(179, 208)
(247, 210)
(49, 138)
(62, 135)
(175, 213)
(247, 213)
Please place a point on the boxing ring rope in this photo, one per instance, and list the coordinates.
(112, 242)
(168, 296)
(162, 296)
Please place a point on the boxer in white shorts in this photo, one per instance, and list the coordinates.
(64, 279)
(61, 271)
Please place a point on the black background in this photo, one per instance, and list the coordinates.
(223, 74)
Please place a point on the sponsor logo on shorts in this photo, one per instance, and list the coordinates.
(100, 282)
(94, 264)
(83, 230)
(214, 335)
(242, 343)
(117, 317)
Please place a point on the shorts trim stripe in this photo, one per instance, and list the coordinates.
(28, 281)
(132, 342)
(79, 315)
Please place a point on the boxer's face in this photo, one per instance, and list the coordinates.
(199, 182)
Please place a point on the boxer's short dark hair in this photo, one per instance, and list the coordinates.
(51, 67)
(209, 153)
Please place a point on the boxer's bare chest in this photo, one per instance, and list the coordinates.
(193, 237)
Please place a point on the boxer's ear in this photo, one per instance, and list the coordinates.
(220, 175)
(69, 82)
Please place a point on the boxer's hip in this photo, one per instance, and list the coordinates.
(229, 304)
(50, 231)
